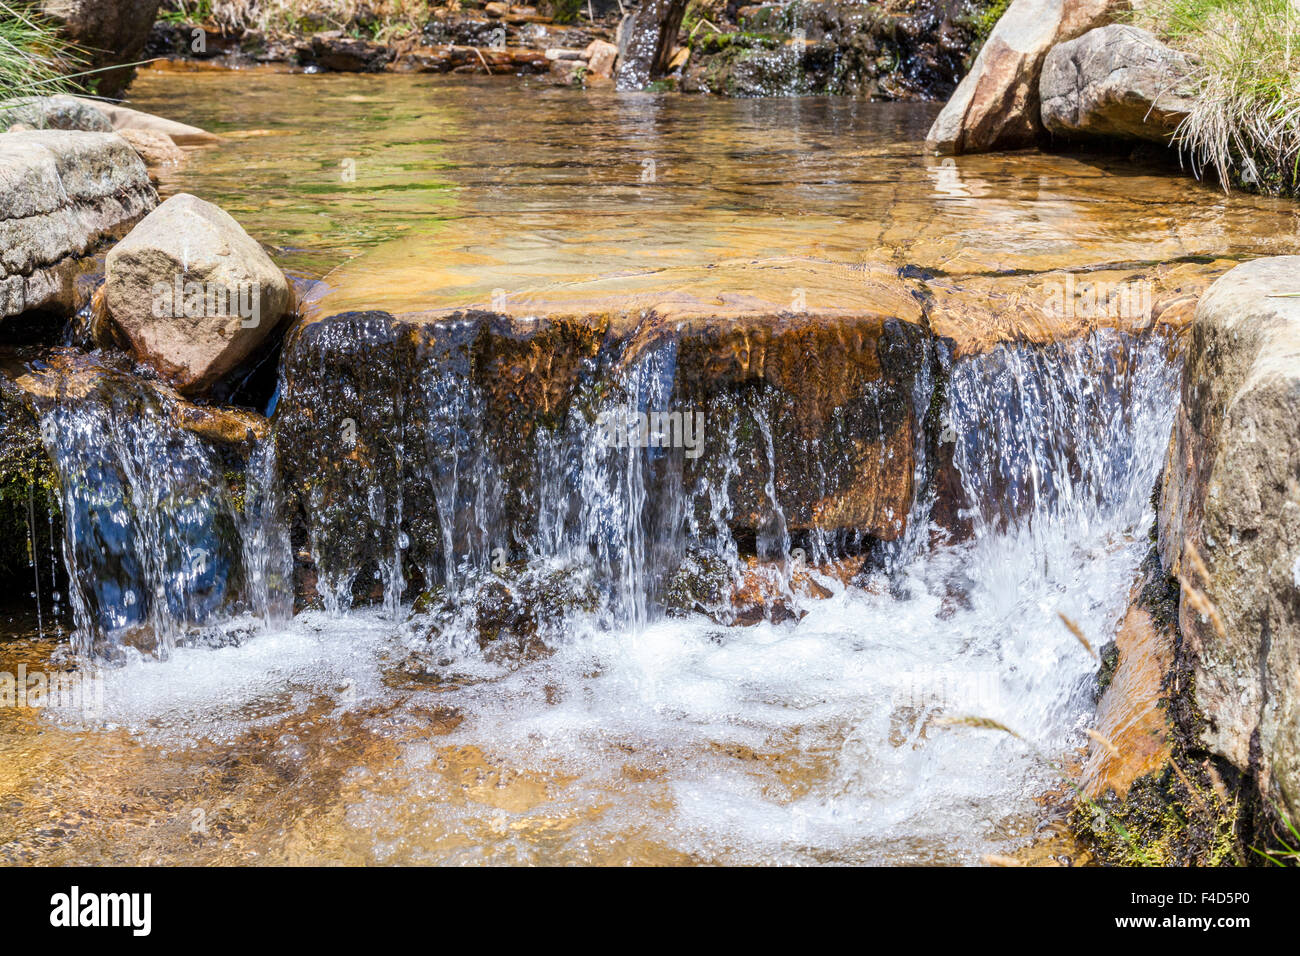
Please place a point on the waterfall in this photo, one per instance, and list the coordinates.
(1051, 444)
(154, 547)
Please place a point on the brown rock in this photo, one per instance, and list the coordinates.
(112, 32)
(600, 56)
(156, 149)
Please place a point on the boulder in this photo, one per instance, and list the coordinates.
(191, 294)
(124, 118)
(63, 195)
(1116, 81)
(996, 105)
(1229, 522)
(54, 112)
(113, 34)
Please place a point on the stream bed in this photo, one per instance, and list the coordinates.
(620, 733)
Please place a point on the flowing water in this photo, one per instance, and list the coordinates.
(611, 731)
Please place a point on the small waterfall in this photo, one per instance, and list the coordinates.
(154, 547)
(1063, 434)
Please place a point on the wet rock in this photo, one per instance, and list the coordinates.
(28, 501)
(647, 41)
(1230, 496)
(112, 32)
(1131, 714)
(191, 294)
(64, 196)
(996, 106)
(1115, 81)
(150, 527)
(566, 72)
(344, 54)
(895, 49)
(510, 612)
(54, 112)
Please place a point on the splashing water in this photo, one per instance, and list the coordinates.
(811, 740)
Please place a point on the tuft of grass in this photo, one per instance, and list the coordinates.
(186, 12)
(34, 59)
(1245, 126)
(1287, 853)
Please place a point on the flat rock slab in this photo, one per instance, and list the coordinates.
(63, 196)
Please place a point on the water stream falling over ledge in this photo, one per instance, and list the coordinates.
(572, 656)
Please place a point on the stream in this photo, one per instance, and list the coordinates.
(622, 727)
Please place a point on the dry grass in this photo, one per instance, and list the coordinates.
(378, 19)
(1246, 124)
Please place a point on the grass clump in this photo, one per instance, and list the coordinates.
(1245, 126)
(34, 59)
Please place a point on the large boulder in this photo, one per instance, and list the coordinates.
(1231, 495)
(191, 294)
(1117, 81)
(996, 106)
(111, 32)
(63, 196)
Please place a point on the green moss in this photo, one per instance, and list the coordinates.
(562, 11)
(986, 18)
(1168, 818)
(28, 486)
(709, 44)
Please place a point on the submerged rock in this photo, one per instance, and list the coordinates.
(156, 149)
(1229, 523)
(191, 294)
(64, 196)
(996, 106)
(1115, 81)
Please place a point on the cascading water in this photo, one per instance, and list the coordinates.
(1056, 448)
(154, 547)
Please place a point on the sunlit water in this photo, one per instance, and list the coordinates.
(630, 736)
